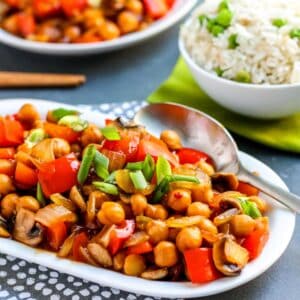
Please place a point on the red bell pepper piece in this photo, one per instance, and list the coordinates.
(25, 175)
(156, 8)
(7, 153)
(26, 24)
(119, 235)
(56, 234)
(46, 8)
(62, 132)
(73, 7)
(200, 265)
(80, 240)
(58, 176)
(155, 147)
(128, 145)
(255, 242)
(140, 248)
(170, 3)
(247, 189)
(11, 132)
(192, 156)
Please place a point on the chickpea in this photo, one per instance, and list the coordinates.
(138, 204)
(134, 265)
(71, 33)
(157, 230)
(91, 135)
(127, 22)
(118, 261)
(198, 209)
(134, 6)
(8, 205)
(29, 203)
(10, 24)
(171, 138)
(206, 167)
(111, 213)
(208, 225)
(189, 238)
(165, 254)
(6, 185)
(92, 17)
(156, 211)
(242, 225)
(7, 166)
(109, 30)
(179, 199)
(28, 114)
(60, 147)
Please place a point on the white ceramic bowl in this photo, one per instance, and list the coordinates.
(178, 11)
(252, 100)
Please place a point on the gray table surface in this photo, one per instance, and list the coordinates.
(133, 74)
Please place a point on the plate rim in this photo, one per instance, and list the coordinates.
(114, 279)
(173, 17)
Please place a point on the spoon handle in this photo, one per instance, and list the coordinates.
(286, 198)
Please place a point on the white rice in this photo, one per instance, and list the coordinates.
(265, 51)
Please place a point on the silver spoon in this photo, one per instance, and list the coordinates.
(200, 131)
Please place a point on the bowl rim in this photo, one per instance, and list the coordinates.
(186, 55)
(177, 12)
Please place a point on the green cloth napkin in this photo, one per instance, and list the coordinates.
(180, 87)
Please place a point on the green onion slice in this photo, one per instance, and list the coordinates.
(164, 185)
(163, 169)
(138, 180)
(101, 163)
(73, 122)
(110, 133)
(107, 188)
(135, 166)
(148, 167)
(59, 113)
(111, 178)
(39, 195)
(35, 136)
(88, 157)
(249, 208)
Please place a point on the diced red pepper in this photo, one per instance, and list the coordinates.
(192, 156)
(56, 234)
(58, 176)
(11, 132)
(46, 8)
(170, 3)
(7, 153)
(128, 145)
(255, 242)
(247, 189)
(119, 235)
(200, 265)
(73, 7)
(140, 248)
(25, 175)
(80, 240)
(63, 132)
(26, 24)
(156, 8)
(155, 147)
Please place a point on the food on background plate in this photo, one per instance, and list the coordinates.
(79, 21)
(248, 41)
(118, 197)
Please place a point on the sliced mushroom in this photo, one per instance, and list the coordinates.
(229, 200)
(155, 274)
(100, 254)
(87, 256)
(224, 182)
(26, 230)
(77, 198)
(3, 228)
(229, 257)
(67, 246)
(60, 200)
(226, 216)
(103, 237)
(136, 238)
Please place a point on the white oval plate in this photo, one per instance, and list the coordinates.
(280, 237)
(178, 11)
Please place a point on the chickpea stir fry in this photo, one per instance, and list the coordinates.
(118, 197)
(79, 21)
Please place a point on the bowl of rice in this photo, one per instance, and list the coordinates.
(245, 54)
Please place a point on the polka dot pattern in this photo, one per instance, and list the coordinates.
(23, 280)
